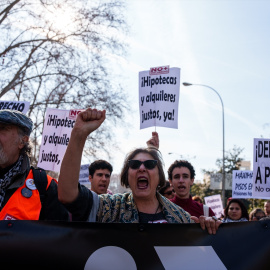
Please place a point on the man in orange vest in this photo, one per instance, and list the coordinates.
(20, 199)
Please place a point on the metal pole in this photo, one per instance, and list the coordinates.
(223, 143)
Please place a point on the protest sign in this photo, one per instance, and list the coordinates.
(84, 175)
(216, 180)
(55, 138)
(215, 203)
(22, 106)
(242, 184)
(159, 97)
(261, 168)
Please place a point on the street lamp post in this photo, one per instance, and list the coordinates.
(223, 150)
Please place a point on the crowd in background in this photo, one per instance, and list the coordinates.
(235, 210)
(28, 193)
(177, 189)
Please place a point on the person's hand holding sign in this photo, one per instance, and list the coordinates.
(211, 224)
(154, 141)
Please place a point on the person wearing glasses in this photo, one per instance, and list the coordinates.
(142, 172)
(167, 190)
(181, 176)
(256, 214)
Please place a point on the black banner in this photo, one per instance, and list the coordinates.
(82, 245)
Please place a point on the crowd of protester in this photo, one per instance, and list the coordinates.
(29, 193)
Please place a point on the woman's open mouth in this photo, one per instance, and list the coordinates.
(142, 183)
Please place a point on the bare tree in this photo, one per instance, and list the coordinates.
(54, 53)
(233, 160)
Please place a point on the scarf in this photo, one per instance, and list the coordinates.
(6, 180)
(122, 208)
(227, 220)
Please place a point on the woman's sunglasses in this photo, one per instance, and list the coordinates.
(136, 164)
(169, 192)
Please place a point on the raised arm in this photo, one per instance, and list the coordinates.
(87, 121)
(153, 141)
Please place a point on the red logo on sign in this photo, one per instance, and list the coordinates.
(159, 70)
(73, 114)
(9, 217)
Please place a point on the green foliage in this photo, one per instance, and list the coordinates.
(203, 190)
(255, 203)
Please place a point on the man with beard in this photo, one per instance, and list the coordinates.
(181, 175)
(25, 193)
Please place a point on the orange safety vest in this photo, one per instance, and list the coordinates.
(23, 207)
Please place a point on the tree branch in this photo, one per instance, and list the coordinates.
(6, 11)
(17, 75)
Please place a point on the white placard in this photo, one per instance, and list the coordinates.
(242, 184)
(159, 91)
(55, 138)
(84, 175)
(22, 106)
(261, 168)
(216, 180)
(215, 203)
